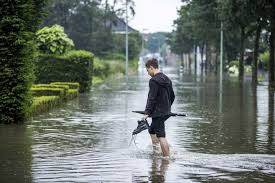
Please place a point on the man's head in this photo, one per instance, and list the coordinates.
(152, 66)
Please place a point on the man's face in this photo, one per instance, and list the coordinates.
(150, 71)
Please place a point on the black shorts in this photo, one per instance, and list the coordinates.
(157, 126)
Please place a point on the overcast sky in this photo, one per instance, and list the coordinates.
(155, 15)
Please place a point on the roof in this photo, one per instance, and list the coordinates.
(120, 26)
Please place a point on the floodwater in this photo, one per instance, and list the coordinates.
(227, 136)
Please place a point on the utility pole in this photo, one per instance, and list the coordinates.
(221, 67)
(126, 43)
(221, 53)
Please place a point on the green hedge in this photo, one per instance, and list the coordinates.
(65, 87)
(64, 90)
(19, 20)
(48, 96)
(48, 92)
(69, 84)
(75, 66)
(44, 103)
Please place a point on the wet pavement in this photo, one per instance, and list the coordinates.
(227, 136)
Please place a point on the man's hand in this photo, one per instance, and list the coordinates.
(145, 116)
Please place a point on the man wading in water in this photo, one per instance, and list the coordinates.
(160, 98)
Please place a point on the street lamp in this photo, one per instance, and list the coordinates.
(221, 67)
(126, 43)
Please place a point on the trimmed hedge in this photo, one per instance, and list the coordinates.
(19, 20)
(48, 96)
(75, 66)
(44, 103)
(48, 92)
(70, 85)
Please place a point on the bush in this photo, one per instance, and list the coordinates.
(18, 22)
(104, 68)
(75, 66)
(234, 63)
(265, 58)
(44, 103)
(48, 92)
(114, 56)
(48, 96)
(53, 40)
(101, 68)
(66, 84)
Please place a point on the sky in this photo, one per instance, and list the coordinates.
(155, 15)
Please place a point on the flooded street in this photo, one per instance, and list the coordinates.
(226, 137)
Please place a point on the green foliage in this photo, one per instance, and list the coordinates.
(264, 57)
(75, 66)
(114, 56)
(135, 43)
(65, 87)
(89, 23)
(234, 63)
(155, 41)
(104, 68)
(53, 40)
(43, 91)
(65, 84)
(18, 22)
(101, 68)
(44, 103)
(49, 96)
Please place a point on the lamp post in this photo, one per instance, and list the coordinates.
(221, 67)
(126, 43)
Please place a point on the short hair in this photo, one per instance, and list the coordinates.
(152, 62)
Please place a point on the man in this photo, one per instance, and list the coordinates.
(160, 98)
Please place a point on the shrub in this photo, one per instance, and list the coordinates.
(53, 40)
(101, 68)
(48, 96)
(44, 103)
(114, 56)
(48, 92)
(104, 68)
(265, 58)
(234, 63)
(75, 66)
(18, 22)
(66, 84)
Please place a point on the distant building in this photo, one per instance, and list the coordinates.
(120, 26)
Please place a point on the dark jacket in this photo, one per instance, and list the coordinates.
(160, 97)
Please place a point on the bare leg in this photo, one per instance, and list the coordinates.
(164, 146)
(155, 140)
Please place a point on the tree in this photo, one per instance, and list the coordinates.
(89, 22)
(239, 14)
(135, 42)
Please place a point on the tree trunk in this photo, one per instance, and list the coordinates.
(181, 59)
(271, 53)
(216, 62)
(202, 52)
(241, 65)
(207, 53)
(195, 58)
(189, 61)
(255, 58)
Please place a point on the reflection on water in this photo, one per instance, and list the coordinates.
(15, 154)
(228, 140)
